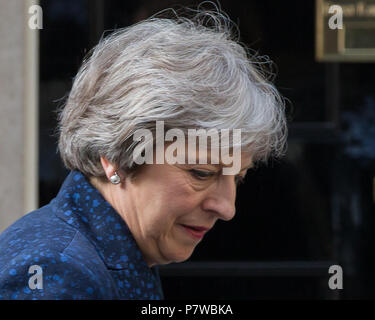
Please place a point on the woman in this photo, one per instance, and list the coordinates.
(114, 218)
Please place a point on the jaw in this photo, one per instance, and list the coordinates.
(176, 248)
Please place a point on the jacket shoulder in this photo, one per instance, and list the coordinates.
(70, 266)
(54, 276)
(36, 231)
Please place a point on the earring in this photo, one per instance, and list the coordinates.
(115, 179)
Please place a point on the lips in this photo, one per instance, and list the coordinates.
(195, 231)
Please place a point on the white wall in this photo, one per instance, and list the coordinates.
(18, 112)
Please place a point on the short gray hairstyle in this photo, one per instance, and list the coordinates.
(188, 72)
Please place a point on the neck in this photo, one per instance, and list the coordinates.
(107, 191)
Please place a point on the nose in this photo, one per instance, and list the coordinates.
(221, 198)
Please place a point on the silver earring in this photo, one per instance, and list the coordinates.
(115, 179)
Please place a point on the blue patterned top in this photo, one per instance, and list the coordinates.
(83, 247)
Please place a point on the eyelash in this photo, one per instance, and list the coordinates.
(204, 175)
(201, 175)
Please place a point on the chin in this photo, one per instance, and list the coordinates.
(182, 259)
(178, 256)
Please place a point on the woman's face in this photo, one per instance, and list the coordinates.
(167, 206)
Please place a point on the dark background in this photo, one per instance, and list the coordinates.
(296, 216)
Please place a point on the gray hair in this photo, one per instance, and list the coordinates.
(187, 72)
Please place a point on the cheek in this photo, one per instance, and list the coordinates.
(165, 209)
(182, 202)
(176, 195)
(164, 201)
(171, 210)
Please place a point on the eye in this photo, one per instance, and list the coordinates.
(201, 174)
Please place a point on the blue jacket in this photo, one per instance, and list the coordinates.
(80, 248)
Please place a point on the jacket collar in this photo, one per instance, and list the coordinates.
(82, 206)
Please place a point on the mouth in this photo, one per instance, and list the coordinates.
(196, 232)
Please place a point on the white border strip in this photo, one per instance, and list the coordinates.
(31, 112)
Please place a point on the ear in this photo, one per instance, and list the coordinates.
(108, 167)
